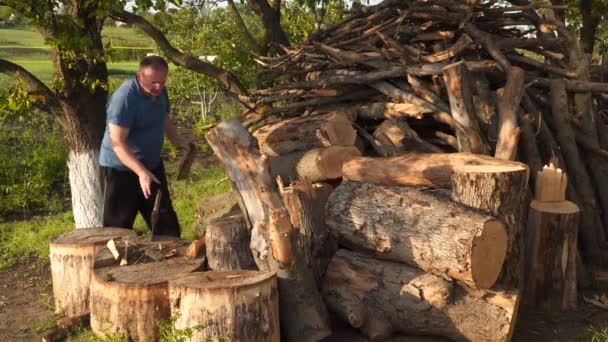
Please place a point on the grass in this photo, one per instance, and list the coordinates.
(21, 37)
(24, 238)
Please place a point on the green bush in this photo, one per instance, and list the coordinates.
(32, 169)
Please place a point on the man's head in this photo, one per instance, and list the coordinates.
(152, 74)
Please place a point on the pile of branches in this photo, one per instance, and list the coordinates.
(510, 82)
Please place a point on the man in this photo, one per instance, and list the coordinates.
(137, 117)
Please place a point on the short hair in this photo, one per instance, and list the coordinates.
(155, 62)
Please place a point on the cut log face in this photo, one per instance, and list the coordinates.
(552, 248)
(383, 297)
(432, 170)
(72, 256)
(500, 191)
(421, 228)
(227, 240)
(131, 299)
(306, 133)
(314, 165)
(229, 305)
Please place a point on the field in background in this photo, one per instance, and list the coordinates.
(27, 48)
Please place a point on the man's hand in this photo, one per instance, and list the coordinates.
(145, 182)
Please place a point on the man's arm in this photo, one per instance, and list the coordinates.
(118, 137)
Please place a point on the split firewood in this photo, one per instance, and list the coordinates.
(64, 326)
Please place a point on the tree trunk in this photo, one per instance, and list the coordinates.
(229, 305)
(86, 188)
(305, 133)
(552, 247)
(431, 170)
(72, 256)
(500, 191)
(313, 165)
(421, 228)
(131, 299)
(382, 297)
(227, 241)
(303, 313)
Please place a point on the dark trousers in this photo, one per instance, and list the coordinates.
(123, 199)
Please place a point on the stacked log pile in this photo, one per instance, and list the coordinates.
(444, 76)
(405, 140)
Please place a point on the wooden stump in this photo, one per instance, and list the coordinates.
(314, 165)
(227, 242)
(552, 248)
(410, 169)
(306, 133)
(421, 228)
(229, 305)
(131, 299)
(500, 191)
(72, 255)
(383, 297)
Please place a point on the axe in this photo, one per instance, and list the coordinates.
(155, 210)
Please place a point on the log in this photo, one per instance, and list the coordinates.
(508, 104)
(303, 313)
(421, 228)
(578, 174)
(227, 240)
(131, 299)
(72, 255)
(397, 136)
(305, 133)
(499, 191)
(314, 165)
(383, 297)
(306, 203)
(552, 247)
(227, 306)
(459, 89)
(65, 326)
(431, 170)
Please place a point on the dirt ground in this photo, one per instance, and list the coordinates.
(26, 306)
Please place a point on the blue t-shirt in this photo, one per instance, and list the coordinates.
(129, 107)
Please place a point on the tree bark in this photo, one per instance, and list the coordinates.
(303, 313)
(305, 133)
(314, 165)
(500, 191)
(551, 282)
(72, 256)
(86, 188)
(229, 305)
(417, 227)
(382, 297)
(227, 241)
(431, 170)
(131, 299)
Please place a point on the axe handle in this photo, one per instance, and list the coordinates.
(155, 211)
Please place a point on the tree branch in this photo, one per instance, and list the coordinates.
(253, 45)
(49, 102)
(174, 55)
